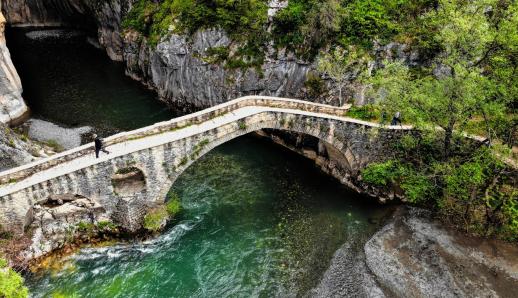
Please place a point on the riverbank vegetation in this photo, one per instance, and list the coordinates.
(157, 218)
(466, 82)
(11, 283)
(472, 80)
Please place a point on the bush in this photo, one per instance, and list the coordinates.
(380, 174)
(366, 112)
(173, 205)
(55, 145)
(11, 283)
(416, 186)
(314, 84)
(106, 225)
(154, 220)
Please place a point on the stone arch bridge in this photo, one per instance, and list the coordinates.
(144, 163)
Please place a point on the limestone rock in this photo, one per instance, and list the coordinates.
(347, 276)
(176, 67)
(13, 150)
(12, 106)
(58, 221)
(413, 256)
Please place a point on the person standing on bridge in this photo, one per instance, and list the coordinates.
(99, 146)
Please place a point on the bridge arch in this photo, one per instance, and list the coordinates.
(176, 144)
(285, 122)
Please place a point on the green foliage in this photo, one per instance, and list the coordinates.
(64, 295)
(198, 148)
(306, 26)
(366, 112)
(11, 283)
(106, 225)
(85, 227)
(416, 185)
(510, 214)
(242, 125)
(366, 21)
(173, 205)
(475, 92)
(314, 84)
(154, 219)
(380, 174)
(339, 63)
(243, 20)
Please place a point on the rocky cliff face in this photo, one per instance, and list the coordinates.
(12, 106)
(414, 256)
(175, 68)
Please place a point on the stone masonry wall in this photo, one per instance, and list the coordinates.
(161, 165)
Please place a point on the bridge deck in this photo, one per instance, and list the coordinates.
(152, 136)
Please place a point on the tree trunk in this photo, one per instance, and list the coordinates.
(340, 95)
(448, 134)
(447, 142)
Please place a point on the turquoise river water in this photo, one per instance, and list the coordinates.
(257, 219)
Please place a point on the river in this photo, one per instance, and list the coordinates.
(257, 219)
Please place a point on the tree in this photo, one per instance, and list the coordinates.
(341, 65)
(454, 90)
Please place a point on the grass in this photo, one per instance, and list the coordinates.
(198, 148)
(55, 145)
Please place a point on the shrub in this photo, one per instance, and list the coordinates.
(11, 283)
(85, 227)
(173, 205)
(106, 225)
(314, 84)
(510, 212)
(415, 184)
(366, 112)
(155, 218)
(54, 145)
(380, 174)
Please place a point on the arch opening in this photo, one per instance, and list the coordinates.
(304, 140)
(128, 181)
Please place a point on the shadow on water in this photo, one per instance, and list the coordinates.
(68, 81)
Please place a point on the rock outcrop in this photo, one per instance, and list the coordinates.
(60, 220)
(176, 67)
(414, 256)
(347, 276)
(12, 106)
(17, 149)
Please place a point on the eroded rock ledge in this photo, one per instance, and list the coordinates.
(413, 256)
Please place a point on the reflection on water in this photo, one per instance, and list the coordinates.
(257, 221)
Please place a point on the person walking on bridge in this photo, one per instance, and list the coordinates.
(99, 146)
(396, 119)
